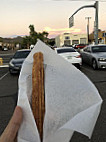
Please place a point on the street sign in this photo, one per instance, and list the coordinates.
(104, 34)
(71, 21)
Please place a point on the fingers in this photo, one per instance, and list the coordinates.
(11, 130)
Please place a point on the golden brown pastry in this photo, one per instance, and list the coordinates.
(38, 100)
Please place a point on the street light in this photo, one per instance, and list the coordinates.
(71, 21)
(88, 18)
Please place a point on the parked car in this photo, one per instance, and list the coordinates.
(74, 45)
(32, 46)
(79, 46)
(16, 62)
(94, 55)
(5, 48)
(70, 54)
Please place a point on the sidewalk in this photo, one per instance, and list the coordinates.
(4, 66)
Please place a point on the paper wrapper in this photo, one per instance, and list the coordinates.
(72, 102)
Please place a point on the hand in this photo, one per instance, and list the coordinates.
(10, 133)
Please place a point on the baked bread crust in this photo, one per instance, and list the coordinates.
(38, 99)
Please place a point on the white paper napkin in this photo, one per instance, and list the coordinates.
(72, 102)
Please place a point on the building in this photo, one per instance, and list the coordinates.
(10, 43)
(101, 37)
(71, 39)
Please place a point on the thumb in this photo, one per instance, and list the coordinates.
(12, 128)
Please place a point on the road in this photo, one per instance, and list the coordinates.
(8, 96)
(8, 99)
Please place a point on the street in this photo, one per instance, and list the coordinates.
(8, 99)
(8, 96)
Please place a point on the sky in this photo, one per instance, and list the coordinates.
(48, 15)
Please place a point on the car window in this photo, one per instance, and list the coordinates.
(87, 49)
(84, 49)
(82, 44)
(21, 54)
(98, 49)
(59, 51)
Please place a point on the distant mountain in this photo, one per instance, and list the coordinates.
(17, 39)
(15, 36)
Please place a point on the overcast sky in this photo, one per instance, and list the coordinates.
(49, 15)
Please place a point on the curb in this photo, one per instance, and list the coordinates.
(4, 66)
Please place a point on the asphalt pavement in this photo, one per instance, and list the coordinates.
(8, 100)
(8, 90)
(8, 96)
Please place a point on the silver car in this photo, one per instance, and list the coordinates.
(94, 55)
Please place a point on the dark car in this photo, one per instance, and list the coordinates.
(16, 62)
(94, 55)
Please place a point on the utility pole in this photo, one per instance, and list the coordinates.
(88, 27)
(96, 23)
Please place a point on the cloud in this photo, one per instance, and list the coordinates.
(56, 32)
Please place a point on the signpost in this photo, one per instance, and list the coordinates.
(104, 34)
(71, 21)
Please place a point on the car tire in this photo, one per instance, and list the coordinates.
(11, 72)
(79, 66)
(94, 64)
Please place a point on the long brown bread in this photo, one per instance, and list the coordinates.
(38, 99)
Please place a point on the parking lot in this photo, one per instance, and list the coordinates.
(9, 94)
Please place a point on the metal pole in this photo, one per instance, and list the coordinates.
(96, 19)
(86, 6)
(88, 27)
(71, 19)
(96, 23)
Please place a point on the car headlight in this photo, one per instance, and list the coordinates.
(11, 64)
(101, 59)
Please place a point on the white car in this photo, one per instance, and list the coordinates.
(71, 55)
(5, 49)
(32, 46)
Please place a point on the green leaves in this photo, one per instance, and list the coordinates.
(33, 36)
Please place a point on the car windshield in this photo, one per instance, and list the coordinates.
(80, 45)
(99, 49)
(21, 54)
(59, 51)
